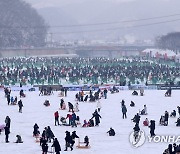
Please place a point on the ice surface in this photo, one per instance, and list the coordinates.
(35, 112)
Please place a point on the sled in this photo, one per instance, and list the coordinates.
(81, 145)
(37, 139)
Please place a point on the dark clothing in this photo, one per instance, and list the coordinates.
(96, 116)
(8, 98)
(73, 136)
(68, 140)
(132, 104)
(86, 140)
(71, 107)
(8, 122)
(124, 110)
(136, 118)
(136, 128)
(20, 104)
(166, 117)
(7, 132)
(44, 148)
(36, 131)
(152, 128)
(50, 134)
(57, 146)
(74, 120)
(111, 132)
(135, 93)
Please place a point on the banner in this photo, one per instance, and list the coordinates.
(24, 88)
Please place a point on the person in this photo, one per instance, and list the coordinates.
(111, 132)
(162, 120)
(43, 139)
(56, 116)
(36, 131)
(69, 116)
(168, 150)
(76, 107)
(85, 99)
(173, 113)
(7, 132)
(105, 93)
(65, 91)
(166, 117)
(144, 111)
(19, 139)
(46, 103)
(178, 110)
(85, 124)
(21, 93)
(135, 93)
(82, 96)
(68, 140)
(77, 96)
(56, 146)
(86, 140)
(41, 91)
(20, 104)
(132, 104)
(62, 104)
(73, 136)
(122, 103)
(168, 92)
(91, 123)
(178, 122)
(96, 116)
(71, 107)
(44, 147)
(73, 122)
(146, 122)
(136, 118)
(152, 128)
(8, 98)
(124, 111)
(141, 91)
(12, 100)
(8, 122)
(15, 100)
(49, 134)
(78, 120)
(136, 131)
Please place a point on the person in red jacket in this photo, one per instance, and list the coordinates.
(146, 122)
(56, 116)
(70, 119)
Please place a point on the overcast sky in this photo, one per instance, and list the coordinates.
(73, 12)
(59, 3)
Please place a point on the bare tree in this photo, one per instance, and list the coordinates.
(170, 41)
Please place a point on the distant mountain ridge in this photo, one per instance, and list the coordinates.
(94, 11)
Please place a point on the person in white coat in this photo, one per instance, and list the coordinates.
(76, 106)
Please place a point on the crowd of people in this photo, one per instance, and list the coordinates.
(55, 70)
(93, 70)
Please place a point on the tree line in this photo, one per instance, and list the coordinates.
(21, 25)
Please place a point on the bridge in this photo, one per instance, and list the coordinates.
(110, 51)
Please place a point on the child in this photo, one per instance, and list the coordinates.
(146, 122)
(86, 140)
(19, 139)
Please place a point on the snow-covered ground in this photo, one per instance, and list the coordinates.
(35, 112)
